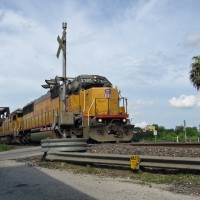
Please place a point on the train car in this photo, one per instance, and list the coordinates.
(94, 110)
(10, 125)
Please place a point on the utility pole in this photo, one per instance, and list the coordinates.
(185, 130)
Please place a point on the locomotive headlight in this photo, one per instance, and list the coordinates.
(100, 120)
(95, 79)
(124, 120)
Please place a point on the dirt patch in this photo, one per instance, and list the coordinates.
(188, 184)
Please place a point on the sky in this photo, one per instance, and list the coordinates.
(144, 47)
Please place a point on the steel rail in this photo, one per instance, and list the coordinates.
(168, 144)
(123, 161)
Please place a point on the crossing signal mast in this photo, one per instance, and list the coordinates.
(62, 46)
(65, 119)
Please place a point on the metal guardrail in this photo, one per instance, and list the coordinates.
(64, 145)
(123, 161)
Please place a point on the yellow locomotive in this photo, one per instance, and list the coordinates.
(94, 110)
(10, 124)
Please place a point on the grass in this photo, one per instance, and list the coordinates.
(89, 169)
(155, 176)
(4, 147)
(178, 178)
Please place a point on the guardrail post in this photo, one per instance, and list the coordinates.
(135, 161)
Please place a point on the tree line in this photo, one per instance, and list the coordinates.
(179, 134)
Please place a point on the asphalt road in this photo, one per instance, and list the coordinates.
(20, 153)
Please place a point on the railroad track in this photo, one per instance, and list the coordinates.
(123, 161)
(168, 144)
(164, 144)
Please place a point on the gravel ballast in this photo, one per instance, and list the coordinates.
(128, 149)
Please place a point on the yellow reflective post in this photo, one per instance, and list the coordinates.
(134, 161)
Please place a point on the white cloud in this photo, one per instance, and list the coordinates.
(13, 21)
(26, 58)
(193, 39)
(141, 124)
(147, 8)
(185, 101)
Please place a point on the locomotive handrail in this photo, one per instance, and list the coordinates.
(84, 103)
(89, 112)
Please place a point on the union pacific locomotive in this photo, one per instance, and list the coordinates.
(94, 110)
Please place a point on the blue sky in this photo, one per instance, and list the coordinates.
(145, 47)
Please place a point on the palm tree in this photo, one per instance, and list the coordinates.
(195, 72)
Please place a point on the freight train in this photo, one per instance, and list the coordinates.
(94, 110)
